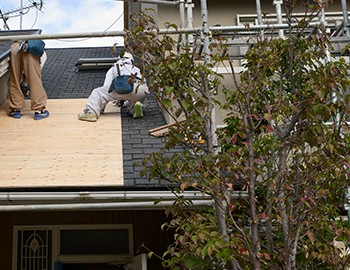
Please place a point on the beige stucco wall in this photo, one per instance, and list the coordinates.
(225, 13)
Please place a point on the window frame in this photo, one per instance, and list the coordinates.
(76, 258)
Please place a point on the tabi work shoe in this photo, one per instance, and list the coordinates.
(41, 114)
(16, 114)
(87, 115)
(138, 110)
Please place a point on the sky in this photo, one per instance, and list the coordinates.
(69, 16)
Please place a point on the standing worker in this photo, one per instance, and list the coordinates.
(131, 89)
(25, 58)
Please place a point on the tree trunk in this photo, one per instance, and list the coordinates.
(281, 205)
(254, 226)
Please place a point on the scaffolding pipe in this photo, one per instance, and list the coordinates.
(21, 16)
(238, 28)
(205, 29)
(182, 13)
(242, 28)
(189, 7)
(322, 18)
(206, 49)
(259, 12)
(157, 2)
(345, 18)
(63, 36)
(277, 4)
(99, 206)
(182, 21)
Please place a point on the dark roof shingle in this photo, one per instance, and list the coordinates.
(5, 46)
(61, 80)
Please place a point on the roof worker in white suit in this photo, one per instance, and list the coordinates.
(133, 89)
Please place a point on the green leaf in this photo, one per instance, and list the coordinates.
(139, 29)
(166, 102)
(180, 136)
(173, 25)
(158, 201)
(169, 89)
(198, 118)
(186, 103)
(204, 251)
(149, 254)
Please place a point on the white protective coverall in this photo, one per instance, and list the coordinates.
(99, 97)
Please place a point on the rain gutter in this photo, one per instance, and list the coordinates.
(114, 200)
(121, 196)
(98, 206)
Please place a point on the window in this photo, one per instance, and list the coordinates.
(34, 249)
(39, 247)
(92, 242)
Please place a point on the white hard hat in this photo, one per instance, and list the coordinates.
(128, 55)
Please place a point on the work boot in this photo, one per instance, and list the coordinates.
(16, 114)
(138, 110)
(87, 115)
(41, 114)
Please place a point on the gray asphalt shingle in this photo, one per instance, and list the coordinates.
(61, 80)
(5, 46)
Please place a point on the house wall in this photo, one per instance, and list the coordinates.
(224, 12)
(146, 226)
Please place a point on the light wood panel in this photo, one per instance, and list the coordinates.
(60, 151)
